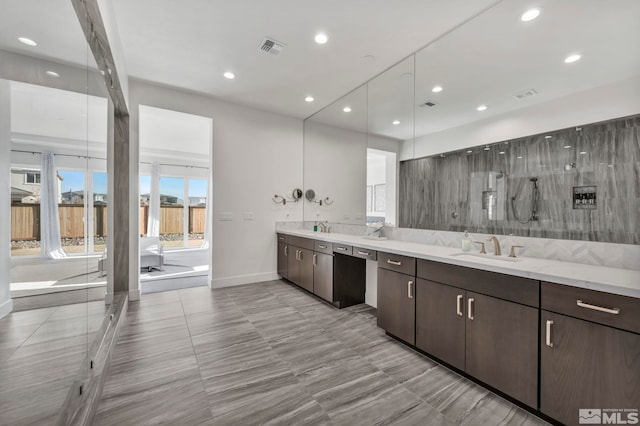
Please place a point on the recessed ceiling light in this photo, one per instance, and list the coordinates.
(346, 109)
(572, 58)
(229, 75)
(321, 38)
(501, 153)
(436, 89)
(530, 15)
(396, 122)
(486, 148)
(548, 137)
(482, 108)
(567, 146)
(583, 152)
(469, 151)
(52, 74)
(309, 99)
(27, 41)
(519, 157)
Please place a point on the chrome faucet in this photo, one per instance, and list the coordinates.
(323, 227)
(496, 245)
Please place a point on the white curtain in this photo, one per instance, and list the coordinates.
(50, 242)
(153, 225)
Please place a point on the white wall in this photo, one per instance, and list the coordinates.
(256, 154)
(335, 166)
(602, 103)
(6, 304)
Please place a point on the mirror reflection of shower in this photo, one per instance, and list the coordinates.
(535, 198)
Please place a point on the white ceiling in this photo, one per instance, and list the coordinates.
(191, 43)
(173, 131)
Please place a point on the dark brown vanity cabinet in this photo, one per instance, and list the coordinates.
(396, 296)
(589, 352)
(440, 321)
(283, 251)
(300, 262)
(494, 339)
(323, 276)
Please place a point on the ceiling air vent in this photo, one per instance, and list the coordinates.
(272, 46)
(427, 104)
(525, 94)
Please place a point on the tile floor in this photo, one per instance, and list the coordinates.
(270, 353)
(41, 351)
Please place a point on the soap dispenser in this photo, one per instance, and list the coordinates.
(466, 242)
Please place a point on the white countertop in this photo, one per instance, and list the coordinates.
(624, 282)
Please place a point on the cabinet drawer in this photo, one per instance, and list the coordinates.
(323, 247)
(596, 306)
(342, 249)
(282, 238)
(365, 253)
(515, 289)
(394, 262)
(301, 242)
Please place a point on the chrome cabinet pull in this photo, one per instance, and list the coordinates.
(614, 311)
(297, 254)
(394, 262)
(286, 250)
(409, 292)
(364, 253)
(315, 260)
(470, 308)
(341, 248)
(301, 253)
(322, 247)
(459, 305)
(548, 338)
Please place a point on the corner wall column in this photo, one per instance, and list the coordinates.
(6, 304)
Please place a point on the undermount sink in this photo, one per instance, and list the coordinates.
(487, 256)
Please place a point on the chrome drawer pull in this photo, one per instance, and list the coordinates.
(315, 260)
(322, 247)
(409, 292)
(364, 253)
(394, 262)
(470, 308)
(548, 339)
(614, 311)
(459, 305)
(341, 248)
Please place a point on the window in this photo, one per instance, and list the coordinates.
(197, 211)
(380, 197)
(32, 177)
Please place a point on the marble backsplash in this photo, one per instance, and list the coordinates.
(446, 192)
(625, 256)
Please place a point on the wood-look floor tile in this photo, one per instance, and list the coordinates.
(398, 361)
(224, 335)
(177, 399)
(424, 415)
(202, 322)
(234, 358)
(450, 393)
(494, 410)
(368, 400)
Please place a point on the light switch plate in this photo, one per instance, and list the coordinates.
(226, 216)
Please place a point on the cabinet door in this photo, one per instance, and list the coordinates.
(589, 366)
(440, 321)
(293, 264)
(396, 304)
(323, 276)
(306, 269)
(283, 252)
(502, 346)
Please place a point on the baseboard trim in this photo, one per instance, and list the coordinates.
(134, 295)
(243, 279)
(6, 308)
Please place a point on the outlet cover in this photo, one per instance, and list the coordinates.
(226, 216)
(247, 216)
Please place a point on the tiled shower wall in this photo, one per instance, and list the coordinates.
(446, 192)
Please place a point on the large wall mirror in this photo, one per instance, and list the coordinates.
(507, 124)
